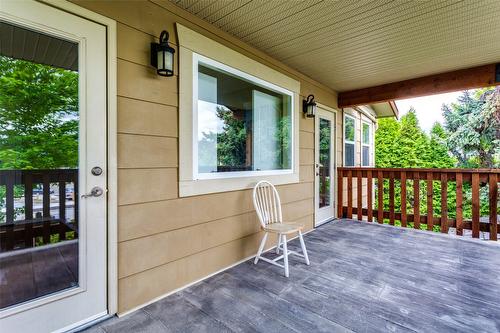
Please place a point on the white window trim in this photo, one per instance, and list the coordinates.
(369, 144)
(193, 46)
(197, 59)
(349, 141)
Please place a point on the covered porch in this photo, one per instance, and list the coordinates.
(364, 277)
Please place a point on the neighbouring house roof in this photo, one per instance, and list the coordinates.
(349, 45)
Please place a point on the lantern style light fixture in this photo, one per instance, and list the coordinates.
(162, 56)
(309, 106)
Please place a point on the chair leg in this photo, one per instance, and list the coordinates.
(285, 255)
(279, 244)
(261, 248)
(303, 246)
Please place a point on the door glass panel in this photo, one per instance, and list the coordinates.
(39, 124)
(324, 162)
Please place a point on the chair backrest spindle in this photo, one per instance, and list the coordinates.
(267, 203)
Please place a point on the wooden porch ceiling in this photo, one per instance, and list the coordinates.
(350, 45)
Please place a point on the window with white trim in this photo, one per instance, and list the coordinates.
(366, 143)
(349, 140)
(243, 125)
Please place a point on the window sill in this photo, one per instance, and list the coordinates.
(206, 186)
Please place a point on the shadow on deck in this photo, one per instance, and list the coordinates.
(363, 278)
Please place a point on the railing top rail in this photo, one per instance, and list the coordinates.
(421, 170)
(18, 177)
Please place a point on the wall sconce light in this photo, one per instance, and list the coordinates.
(162, 56)
(309, 106)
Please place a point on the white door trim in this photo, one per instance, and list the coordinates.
(333, 163)
(112, 209)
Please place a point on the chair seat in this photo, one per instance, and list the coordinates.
(283, 228)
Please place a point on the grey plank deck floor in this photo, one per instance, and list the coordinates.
(363, 278)
(37, 272)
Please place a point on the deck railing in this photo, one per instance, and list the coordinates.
(412, 187)
(35, 227)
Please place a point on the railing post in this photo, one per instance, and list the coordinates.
(340, 193)
(475, 205)
(416, 201)
(403, 199)
(380, 206)
(430, 209)
(444, 203)
(349, 194)
(493, 184)
(391, 198)
(369, 194)
(359, 183)
(459, 185)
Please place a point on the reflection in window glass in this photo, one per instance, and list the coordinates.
(349, 139)
(39, 124)
(349, 129)
(324, 162)
(366, 133)
(365, 157)
(242, 126)
(349, 154)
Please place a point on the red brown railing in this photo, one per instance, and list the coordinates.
(22, 233)
(413, 181)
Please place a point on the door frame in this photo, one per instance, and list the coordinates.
(111, 149)
(333, 161)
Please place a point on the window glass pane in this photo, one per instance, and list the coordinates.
(366, 133)
(324, 162)
(349, 154)
(349, 129)
(366, 156)
(242, 126)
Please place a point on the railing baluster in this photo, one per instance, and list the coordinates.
(62, 210)
(359, 182)
(28, 209)
(416, 201)
(444, 203)
(430, 209)
(369, 194)
(349, 194)
(475, 205)
(380, 206)
(391, 198)
(9, 198)
(493, 183)
(340, 196)
(403, 199)
(459, 185)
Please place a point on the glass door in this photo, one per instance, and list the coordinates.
(324, 165)
(52, 133)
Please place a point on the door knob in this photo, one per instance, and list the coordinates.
(96, 191)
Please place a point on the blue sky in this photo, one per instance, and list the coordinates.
(428, 108)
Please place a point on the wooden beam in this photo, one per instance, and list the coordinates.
(476, 77)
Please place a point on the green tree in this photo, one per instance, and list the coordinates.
(403, 144)
(473, 127)
(38, 116)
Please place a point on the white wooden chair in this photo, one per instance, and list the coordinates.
(268, 206)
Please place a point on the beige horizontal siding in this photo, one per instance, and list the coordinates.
(166, 242)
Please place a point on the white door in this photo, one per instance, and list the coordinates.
(324, 165)
(54, 64)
